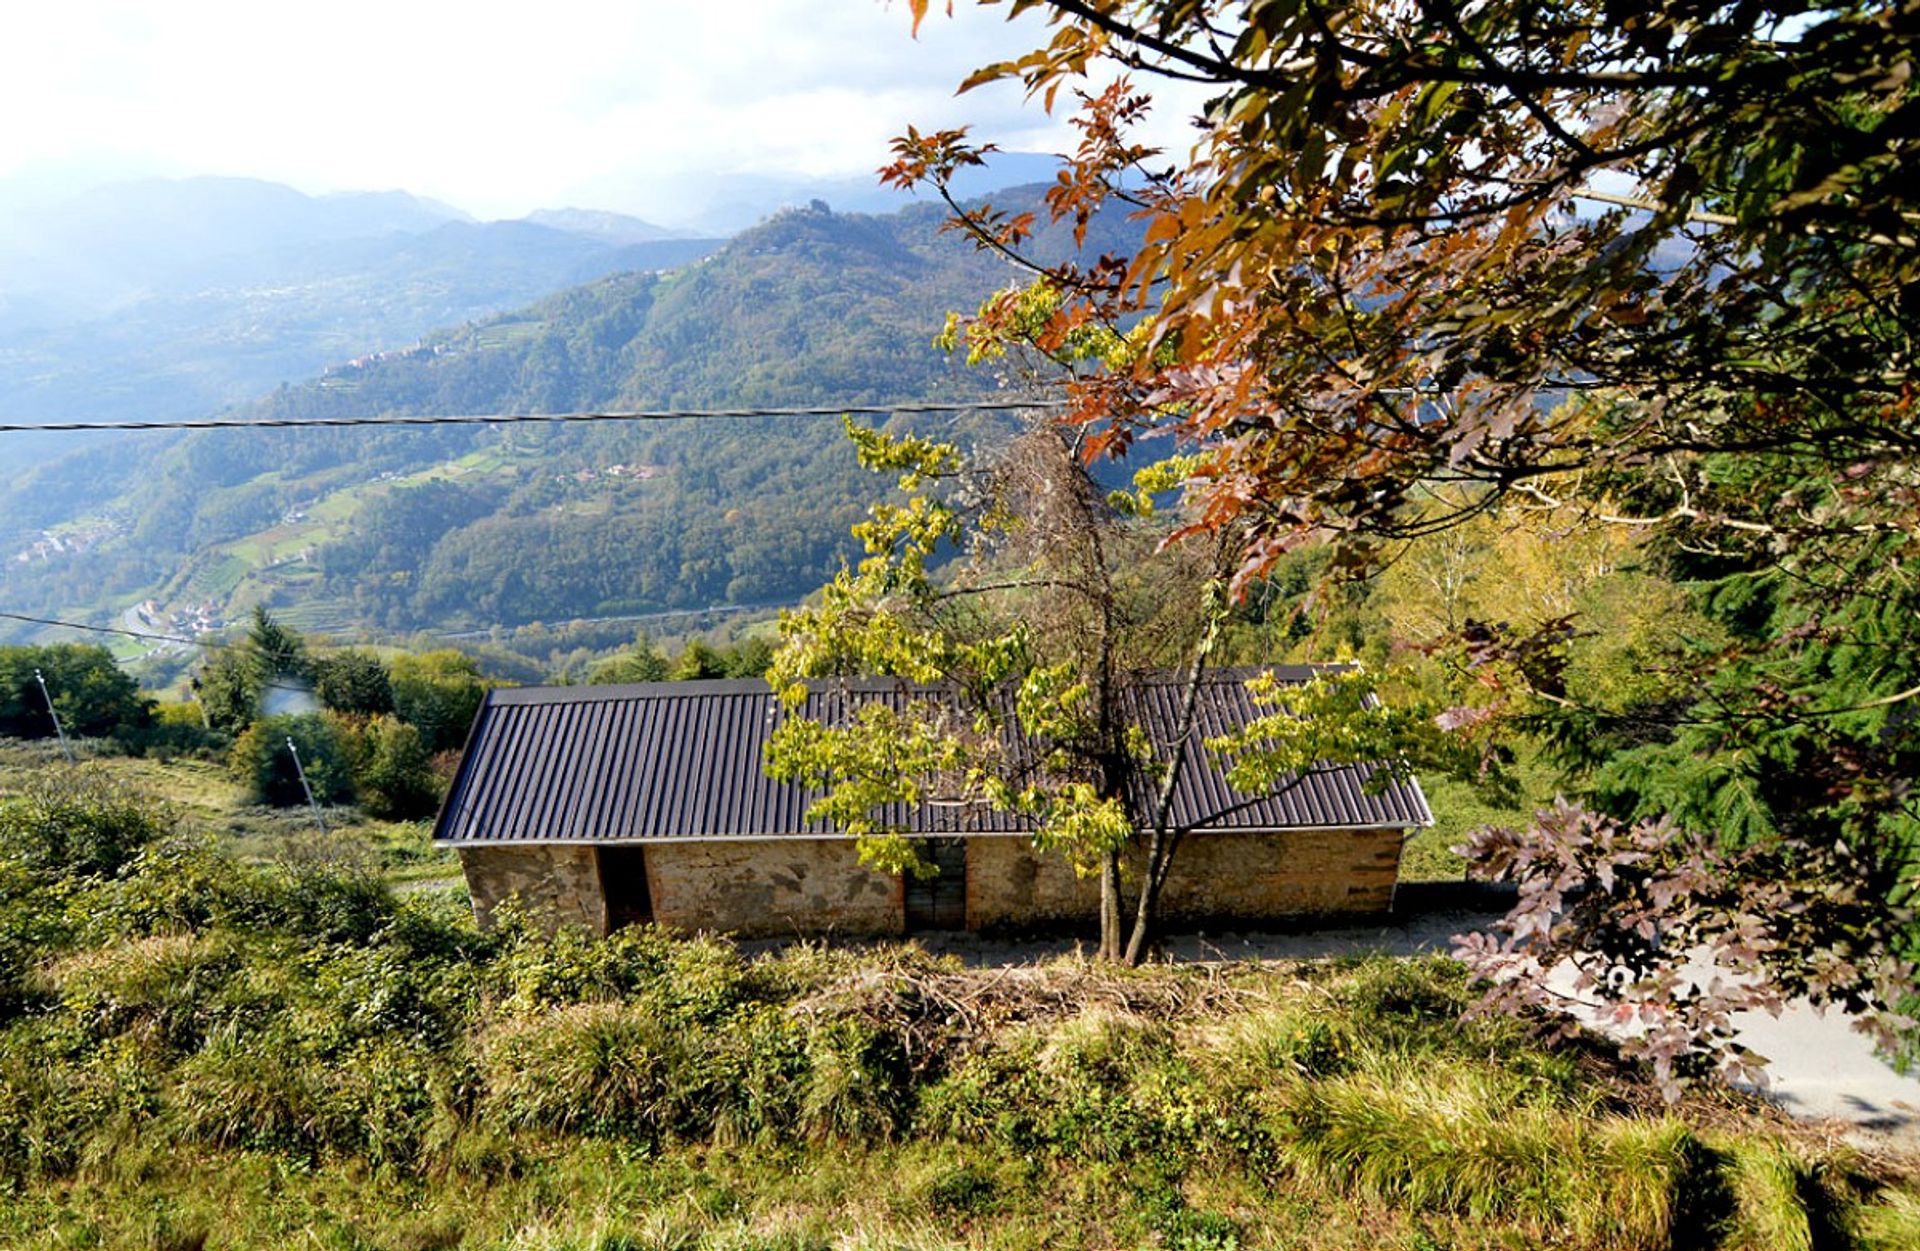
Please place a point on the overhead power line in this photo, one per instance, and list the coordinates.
(517, 419)
(135, 634)
(149, 634)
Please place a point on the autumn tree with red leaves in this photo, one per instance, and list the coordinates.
(1656, 263)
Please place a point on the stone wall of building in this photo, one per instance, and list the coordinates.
(1010, 886)
(559, 881)
(1276, 877)
(1247, 878)
(784, 887)
(772, 888)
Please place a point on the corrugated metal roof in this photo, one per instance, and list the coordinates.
(682, 760)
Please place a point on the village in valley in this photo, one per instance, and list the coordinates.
(1274, 627)
(70, 540)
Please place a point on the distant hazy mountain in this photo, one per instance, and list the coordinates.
(174, 298)
(170, 298)
(614, 228)
(734, 202)
(132, 239)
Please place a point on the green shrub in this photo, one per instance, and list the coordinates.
(78, 823)
(1099, 1085)
(394, 771)
(438, 693)
(177, 885)
(353, 682)
(261, 762)
(322, 903)
(168, 990)
(94, 696)
(964, 1190)
(1767, 1183)
(56, 1098)
(298, 1020)
(1252, 1049)
(1463, 1140)
(856, 1087)
(1407, 1005)
(32, 926)
(693, 980)
(600, 1068)
(188, 885)
(175, 730)
(643, 663)
(1892, 1224)
(248, 1089)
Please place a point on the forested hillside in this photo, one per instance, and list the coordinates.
(460, 526)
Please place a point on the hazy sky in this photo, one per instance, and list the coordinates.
(497, 108)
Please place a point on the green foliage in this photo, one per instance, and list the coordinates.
(393, 773)
(176, 729)
(352, 681)
(94, 696)
(697, 661)
(79, 823)
(749, 658)
(1337, 718)
(1017, 669)
(274, 651)
(269, 670)
(868, 765)
(225, 686)
(438, 693)
(643, 663)
(261, 761)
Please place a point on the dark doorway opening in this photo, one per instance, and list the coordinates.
(623, 879)
(939, 902)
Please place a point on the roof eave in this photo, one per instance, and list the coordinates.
(672, 840)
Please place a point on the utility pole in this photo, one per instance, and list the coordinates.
(51, 712)
(193, 690)
(301, 770)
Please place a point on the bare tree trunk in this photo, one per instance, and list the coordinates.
(1163, 840)
(1110, 907)
(1151, 876)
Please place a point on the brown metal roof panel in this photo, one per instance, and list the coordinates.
(685, 760)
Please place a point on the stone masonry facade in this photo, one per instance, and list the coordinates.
(772, 888)
(560, 881)
(791, 886)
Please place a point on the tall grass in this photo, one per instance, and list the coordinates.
(192, 1034)
(1465, 1142)
(1892, 1224)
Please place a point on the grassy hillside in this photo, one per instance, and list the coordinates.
(538, 524)
(200, 1049)
(203, 796)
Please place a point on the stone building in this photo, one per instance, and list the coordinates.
(610, 805)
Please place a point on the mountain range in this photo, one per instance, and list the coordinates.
(167, 299)
(393, 530)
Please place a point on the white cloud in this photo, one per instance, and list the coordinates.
(499, 108)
